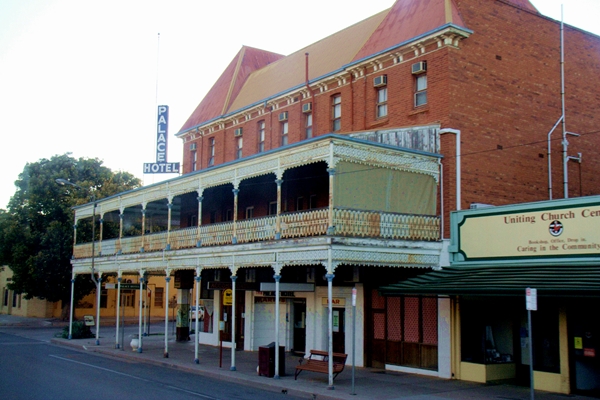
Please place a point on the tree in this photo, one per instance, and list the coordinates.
(36, 233)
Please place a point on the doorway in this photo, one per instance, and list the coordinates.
(339, 334)
(299, 311)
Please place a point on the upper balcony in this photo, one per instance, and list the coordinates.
(328, 186)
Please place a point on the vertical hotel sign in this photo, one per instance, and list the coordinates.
(537, 231)
(161, 166)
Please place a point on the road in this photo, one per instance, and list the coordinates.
(32, 368)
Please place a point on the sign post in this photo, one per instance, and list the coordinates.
(531, 304)
(353, 336)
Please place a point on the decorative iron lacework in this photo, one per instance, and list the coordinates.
(379, 258)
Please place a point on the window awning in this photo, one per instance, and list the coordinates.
(502, 281)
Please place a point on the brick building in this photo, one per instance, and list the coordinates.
(336, 167)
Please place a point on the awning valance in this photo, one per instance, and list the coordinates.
(502, 281)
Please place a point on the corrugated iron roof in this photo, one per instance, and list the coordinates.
(256, 75)
(502, 281)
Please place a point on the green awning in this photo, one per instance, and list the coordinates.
(502, 281)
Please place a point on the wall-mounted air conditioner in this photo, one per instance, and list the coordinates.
(419, 68)
(237, 132)
(283, 116)
(380, 81)
(306, 107)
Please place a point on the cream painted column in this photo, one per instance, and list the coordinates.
(199, 198)
(329, 276)
(167, 284)
(196, 322)
(98, 292)
(121, 217)
(236, 192)
(71, 305)
(233, 279)
(330, 227)
(170, 208)
(143, 227)
(100, 233)
(139, 349)
(277, 278)
(279, 182)
(119, 279)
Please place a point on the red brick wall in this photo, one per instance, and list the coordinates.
(501, 88)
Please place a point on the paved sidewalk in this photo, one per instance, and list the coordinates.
(369, 383)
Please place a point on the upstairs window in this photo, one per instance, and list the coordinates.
(336, 113)
(194, 160)
(261, 136)
(211, 152)
(382, 96)
(284, 133)
(238, 144)
(308, 122)
(420, 90)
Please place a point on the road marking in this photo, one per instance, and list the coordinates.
(194, 393)
(22, 343)
(133, 376)
(101, 368)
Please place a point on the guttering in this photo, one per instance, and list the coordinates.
(466, 33)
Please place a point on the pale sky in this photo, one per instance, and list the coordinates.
(81, 76)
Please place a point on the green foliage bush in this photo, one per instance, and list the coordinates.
(80, 331)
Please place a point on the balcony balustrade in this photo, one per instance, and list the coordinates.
(310, 223)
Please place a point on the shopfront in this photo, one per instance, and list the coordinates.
(496, 254)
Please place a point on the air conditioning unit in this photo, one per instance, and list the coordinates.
(237, 132)
(419, 68)
(307, 107)
(283, 116)
(193, 146)
(477, 206)
(380, 81)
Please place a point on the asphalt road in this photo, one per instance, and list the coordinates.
(31, 368)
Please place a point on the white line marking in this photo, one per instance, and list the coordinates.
(194, 393)
(101, 368)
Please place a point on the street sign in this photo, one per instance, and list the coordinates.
(124, 286)
(531, 299)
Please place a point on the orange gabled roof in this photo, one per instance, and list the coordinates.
(325, 56)
(218, 99)
(409, 19)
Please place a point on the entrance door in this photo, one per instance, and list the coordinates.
(585, 350)
(299, 326)
(339, 336)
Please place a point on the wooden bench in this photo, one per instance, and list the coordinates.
(318, 361)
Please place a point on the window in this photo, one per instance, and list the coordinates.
(300, 203)
(336, 113)
(249, 212)
(261, 136)
(284, 133)
(228, 215)
(103, 298)
(194, 160)
(272, 208)
(421, 90)
(159, 297)
(312, 201)
(382, 97)
(239, 144)
(308, 122)
(211, 152)
(213, 217)
(128, 298)
(5, 300)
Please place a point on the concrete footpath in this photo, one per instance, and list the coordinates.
(369, 383)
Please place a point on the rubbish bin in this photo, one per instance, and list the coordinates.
(266, 360)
